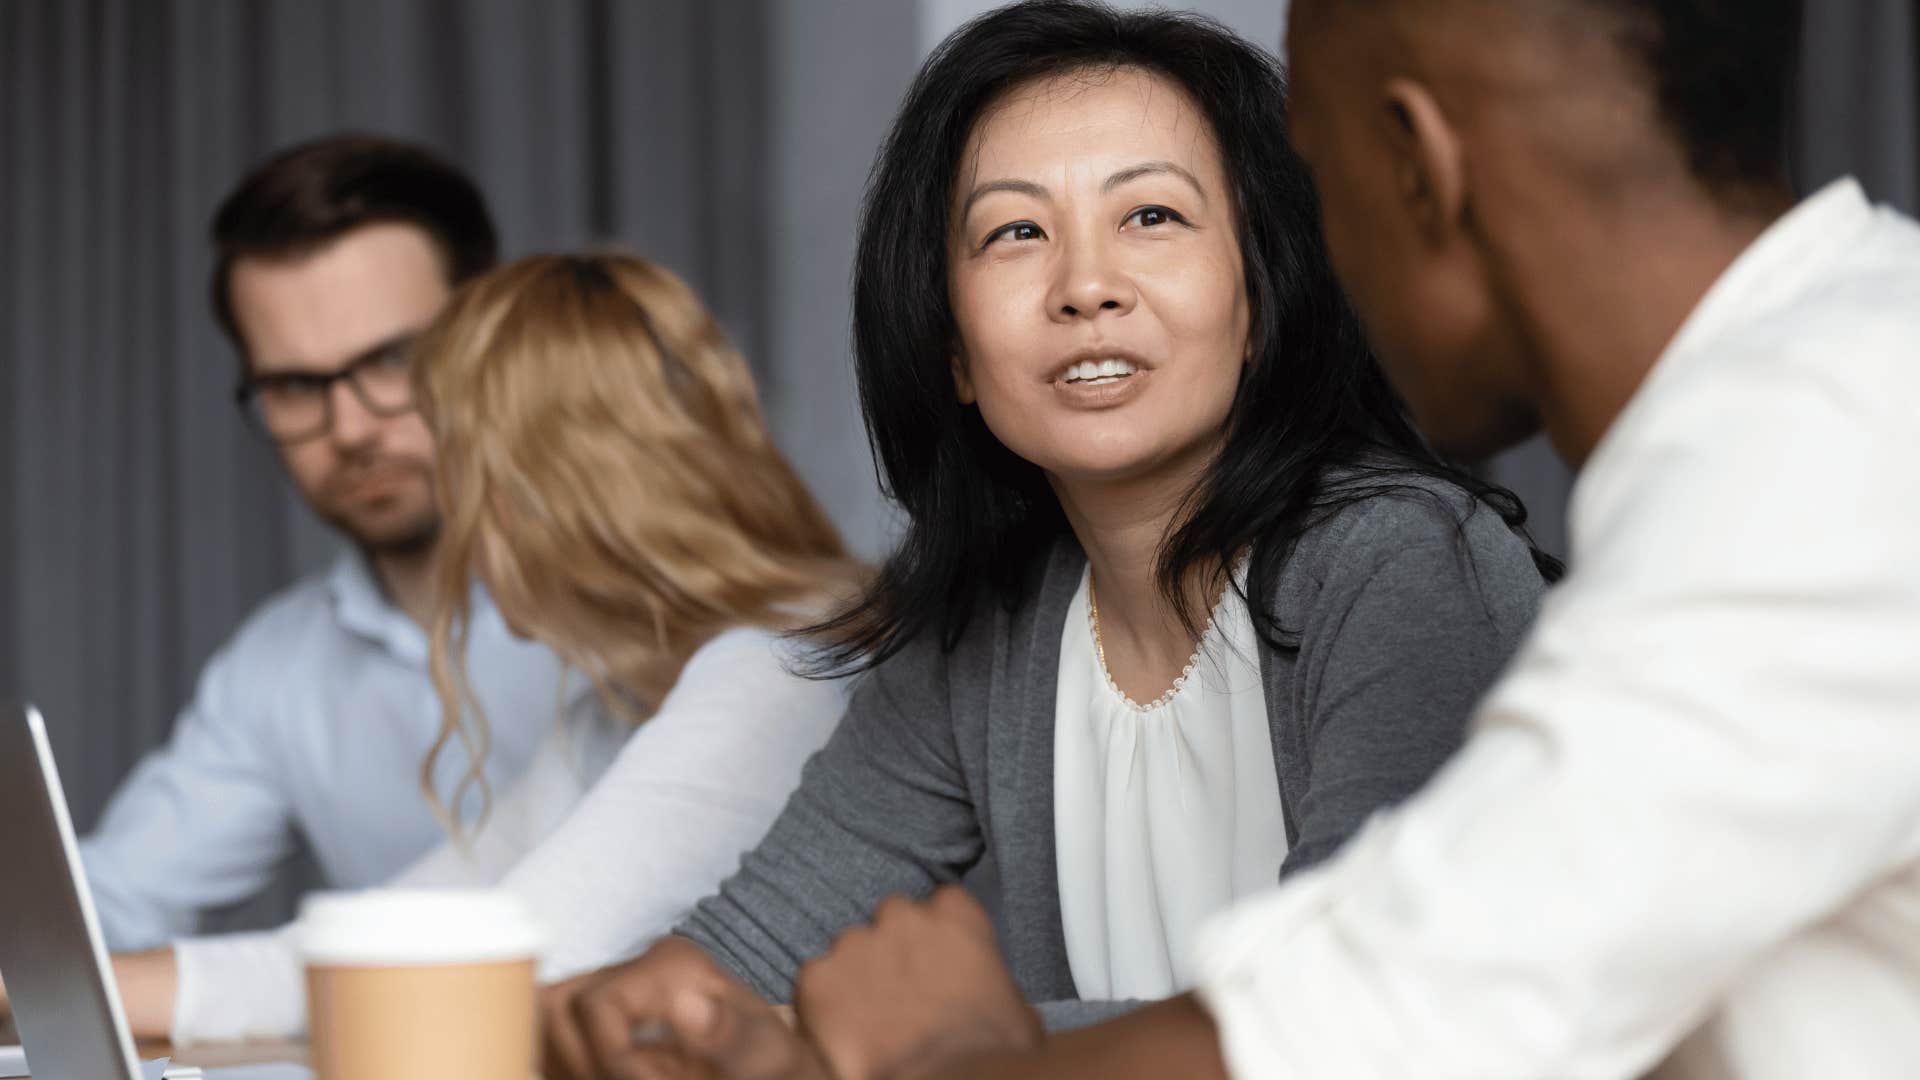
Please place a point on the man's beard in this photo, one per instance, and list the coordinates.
(404, 545)
(412, 534)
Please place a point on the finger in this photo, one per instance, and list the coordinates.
(852, 941)
(827, 995)
(663, 1062)
(744, 1037)
(953, 903)
(565, 1055)
(610, 1017)
(893, 909)
(816, 980)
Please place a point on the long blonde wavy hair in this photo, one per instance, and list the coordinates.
(603, 464)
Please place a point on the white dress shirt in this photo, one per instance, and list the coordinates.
(1164, 814)
(607, 845)
(312, 719)
(1686, 833)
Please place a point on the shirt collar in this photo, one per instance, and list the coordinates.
(361, 608)
(1791, 255)
(358, 602)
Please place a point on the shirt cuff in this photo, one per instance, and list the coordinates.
(1291, 991)
(1235, 949)
(235, 987)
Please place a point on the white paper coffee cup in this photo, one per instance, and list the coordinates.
(419, 984)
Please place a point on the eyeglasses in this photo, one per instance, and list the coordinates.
(294, 406)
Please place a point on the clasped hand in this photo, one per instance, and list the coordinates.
(914, 994)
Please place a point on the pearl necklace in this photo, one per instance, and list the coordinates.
(1186, 673)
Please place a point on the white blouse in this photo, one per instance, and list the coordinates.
(1164, 814)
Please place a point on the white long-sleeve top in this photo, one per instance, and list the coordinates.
(608, 845)
(1686, 832)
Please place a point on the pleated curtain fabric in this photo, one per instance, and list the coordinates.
(1859, 98)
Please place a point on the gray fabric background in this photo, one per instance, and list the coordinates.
(726, 138)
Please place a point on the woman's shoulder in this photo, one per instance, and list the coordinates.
(1384, 507)
(1049, 574)
(1377, 518)
(743, 672)
(931, 675)
(751, 653)
(738, 642)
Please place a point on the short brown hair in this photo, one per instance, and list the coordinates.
(310, 194)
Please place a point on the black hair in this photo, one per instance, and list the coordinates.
(1722, 70)
(1314, 425)
(310, 194)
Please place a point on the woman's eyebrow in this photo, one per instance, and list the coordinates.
(1018, 187)
(1153, 168)
(1124, 176)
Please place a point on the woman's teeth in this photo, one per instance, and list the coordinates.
(1096, 372)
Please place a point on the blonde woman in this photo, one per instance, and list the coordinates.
(604, 468)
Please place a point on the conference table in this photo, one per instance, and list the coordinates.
(218, 1055)
(223, 1055)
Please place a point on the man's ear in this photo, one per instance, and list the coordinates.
(1429, 162)
(962, 382)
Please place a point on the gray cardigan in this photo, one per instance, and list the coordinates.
(1404, 615)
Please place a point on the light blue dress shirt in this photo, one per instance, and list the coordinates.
(313, 719)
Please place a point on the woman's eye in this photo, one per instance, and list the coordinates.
(1019, 230)
(1149, 216)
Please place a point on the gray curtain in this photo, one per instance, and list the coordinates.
(1859, 98)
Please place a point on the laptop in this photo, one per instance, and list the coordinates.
(65, 1005)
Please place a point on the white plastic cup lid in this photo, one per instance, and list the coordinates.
(375, 927)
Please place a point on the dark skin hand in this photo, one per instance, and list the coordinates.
(1169, 1038)
(921, 987)
(669, 1014)
(921, 994)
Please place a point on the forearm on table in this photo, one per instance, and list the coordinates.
(234, 987)
(752, 958)
(824, 867)
(1168, 1038)
(147, 981)
(674, 769)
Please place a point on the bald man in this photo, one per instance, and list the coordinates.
(1685, 836)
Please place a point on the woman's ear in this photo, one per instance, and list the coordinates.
(962, 381)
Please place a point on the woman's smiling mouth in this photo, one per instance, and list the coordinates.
(1100, 379)
(1099, 372)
